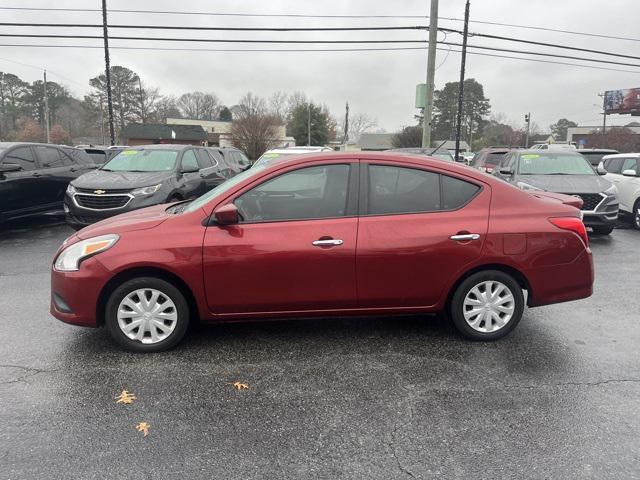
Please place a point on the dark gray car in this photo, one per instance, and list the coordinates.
(564, 172)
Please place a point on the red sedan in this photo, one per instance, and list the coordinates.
(327, 234)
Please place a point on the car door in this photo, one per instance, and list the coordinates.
(628, 186)
(21, 191)
(418, 230)
(57, 171)
(294, 249)
(193, 183)
(208, 169)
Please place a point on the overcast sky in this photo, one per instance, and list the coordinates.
(381, 84)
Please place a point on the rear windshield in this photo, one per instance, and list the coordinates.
(493, 158)
(271, 157)
(594, 157)
(142, 161)
(549, 163)
(97, 156)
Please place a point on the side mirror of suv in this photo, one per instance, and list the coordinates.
(9, 167)
(227, 215)
(602, 171)
(508, 171)
(630, 173)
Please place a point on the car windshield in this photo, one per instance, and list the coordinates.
(142, 161)
(224, 187)
(554, 164)
(270, 157)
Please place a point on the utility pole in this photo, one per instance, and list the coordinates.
(112, 134)
(527, 119)
(431, 70)
(604, 120)
(309, 125)
(46, 109)
(102, 120)
(346, 124)
(461, 85)
(142, 112)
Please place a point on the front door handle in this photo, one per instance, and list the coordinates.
(327, 243)
(465, 237)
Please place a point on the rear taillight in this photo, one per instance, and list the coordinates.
(573, 224)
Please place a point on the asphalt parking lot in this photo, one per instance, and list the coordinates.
(381, 398)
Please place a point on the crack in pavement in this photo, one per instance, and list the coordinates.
(29, 372)
(576, 384)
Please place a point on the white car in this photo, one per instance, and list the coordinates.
(271, 155)
(553, 146)
(624, 171)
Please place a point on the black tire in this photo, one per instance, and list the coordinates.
(166, 289)
(456, 308)
(635, 215)
(602, 230)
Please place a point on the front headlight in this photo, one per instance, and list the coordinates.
(146, 190)
(612, 191)
(526, 186)
(70, 258)
(71, 189)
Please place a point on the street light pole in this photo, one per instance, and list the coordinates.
(46, 109)
(527, 118)
(112, 134)
(461, 85)
(309, 125)
(431, 70)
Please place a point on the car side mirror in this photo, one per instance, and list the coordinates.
(227, 215)
(629, 173)
(9, 167)
(189, 169)
(460, 159)
(508, 171)
(602, 171)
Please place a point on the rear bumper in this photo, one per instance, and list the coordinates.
(562, 283)
(74, 295)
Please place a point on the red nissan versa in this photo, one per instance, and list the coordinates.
(327, 234)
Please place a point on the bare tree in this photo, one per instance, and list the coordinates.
(198, 105)
(253, 130)
(407, 137)
(360, 123)
(296, 99)
(278, 106)
(148, 97)
(166, 107)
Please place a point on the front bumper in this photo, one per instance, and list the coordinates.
(75, 295)
(604, 215)
(79, 217)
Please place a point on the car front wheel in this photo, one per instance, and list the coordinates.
(636, 215)
(147, 314)
(487, 305)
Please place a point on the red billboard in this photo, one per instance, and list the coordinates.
(622, 101)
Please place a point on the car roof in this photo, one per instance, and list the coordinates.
(563, 152)
(161, 146)
(294, 150)
(596, 150)
(622, 155)
(15, 144)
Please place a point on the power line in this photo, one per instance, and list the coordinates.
(283, 29)
(288, 50)
(41, 68)
(293, 15)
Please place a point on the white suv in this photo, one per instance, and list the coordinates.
(624, 172)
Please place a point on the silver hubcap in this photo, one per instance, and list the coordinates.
(638, 218)
(147, 315)
(488, 306)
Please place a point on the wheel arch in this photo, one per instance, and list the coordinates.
(509, 270)
(136, 272)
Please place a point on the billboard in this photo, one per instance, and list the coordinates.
(622, 101)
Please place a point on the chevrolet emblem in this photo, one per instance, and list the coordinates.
(99, 192)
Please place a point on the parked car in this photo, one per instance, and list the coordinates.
(624, 172)
(564, 172)
(441, 154)
(34, 177)
(139, 177)
(278, 153)
(487, 158)
(327, 234)
(101, 154)
(553, 146)
(595, 155)
(235, 159)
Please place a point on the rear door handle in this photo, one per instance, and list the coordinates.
(327, 243)
(465, 237)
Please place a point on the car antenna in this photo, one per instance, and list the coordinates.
(437, 148)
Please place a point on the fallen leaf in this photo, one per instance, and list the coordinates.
(240, 386)
(126, 397)
(143, 427)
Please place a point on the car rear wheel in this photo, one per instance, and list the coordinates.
(602, 230)
(487, 305)
(636, 215)
(147, 314)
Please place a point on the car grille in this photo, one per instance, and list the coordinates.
(102, 202)
(590, 200)
(104, 191)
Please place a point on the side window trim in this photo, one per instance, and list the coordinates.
(214, 160)
(364, 190)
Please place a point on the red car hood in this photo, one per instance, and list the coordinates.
(566, 199)
(142, 219)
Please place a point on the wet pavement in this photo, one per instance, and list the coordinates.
(377, 398)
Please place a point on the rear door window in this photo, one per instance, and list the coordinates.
(456, 192)
(402, 190)
(613, 165)
(628, 164)
(51, 157)
(204, 160)
(22, 156)
(189, 160)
